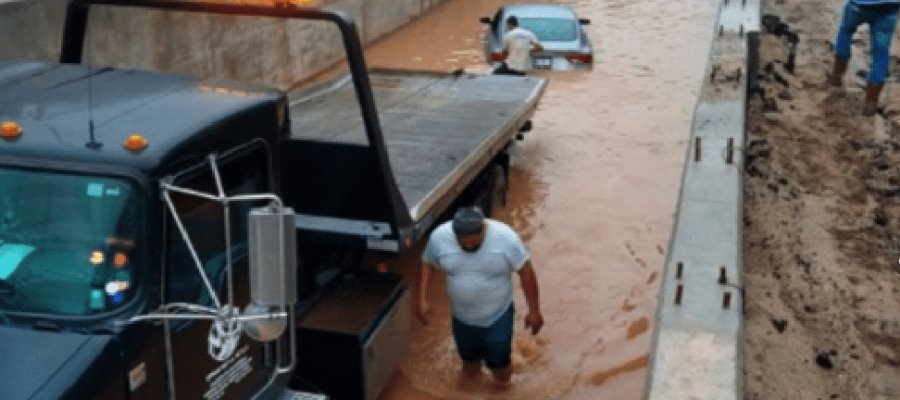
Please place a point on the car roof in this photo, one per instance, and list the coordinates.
(540, 11)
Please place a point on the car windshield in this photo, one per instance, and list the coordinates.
(67, 242)
(550, 29)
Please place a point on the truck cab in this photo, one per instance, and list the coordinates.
(86, 241)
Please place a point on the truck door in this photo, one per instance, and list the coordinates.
(195, 374)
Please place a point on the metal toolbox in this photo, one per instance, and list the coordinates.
(352, 340)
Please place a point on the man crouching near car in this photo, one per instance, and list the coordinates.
(478, 256)
(518, 43)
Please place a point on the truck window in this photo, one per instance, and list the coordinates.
(69, 244)
(205, 223)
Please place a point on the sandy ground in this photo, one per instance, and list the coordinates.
(822, 208)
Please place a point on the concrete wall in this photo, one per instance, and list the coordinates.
(261, 50)
(30, 30)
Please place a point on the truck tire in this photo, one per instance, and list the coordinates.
(494, 196)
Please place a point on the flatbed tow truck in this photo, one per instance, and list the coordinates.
(163, 236)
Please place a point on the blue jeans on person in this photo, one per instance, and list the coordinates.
(492, 344)
(881, 25)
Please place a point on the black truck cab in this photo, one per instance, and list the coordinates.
(85, 240)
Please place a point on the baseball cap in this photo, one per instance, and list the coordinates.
(468, 221)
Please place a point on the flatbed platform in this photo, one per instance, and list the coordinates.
(438, 128)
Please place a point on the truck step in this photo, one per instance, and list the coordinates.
(289, 394)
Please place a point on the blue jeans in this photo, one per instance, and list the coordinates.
(881, 26)
(492, 344)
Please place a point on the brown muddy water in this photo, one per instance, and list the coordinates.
(593, 192)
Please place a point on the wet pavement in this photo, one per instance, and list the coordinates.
(593, 192)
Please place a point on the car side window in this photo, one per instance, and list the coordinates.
(204, 221)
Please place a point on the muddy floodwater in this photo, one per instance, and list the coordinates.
(593, 192)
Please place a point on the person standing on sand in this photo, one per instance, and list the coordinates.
(881, 15)
(479, 255)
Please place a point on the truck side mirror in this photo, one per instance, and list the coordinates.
(584, 21)
(273, 271)
(485, 20)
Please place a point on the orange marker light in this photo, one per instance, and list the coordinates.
(135, 143)
(10, 130)
(97, 257)
(119, 260)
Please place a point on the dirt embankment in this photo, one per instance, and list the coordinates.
(822, 219)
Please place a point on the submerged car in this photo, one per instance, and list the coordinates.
(566, 46)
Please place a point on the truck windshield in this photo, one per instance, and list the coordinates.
(68, 243)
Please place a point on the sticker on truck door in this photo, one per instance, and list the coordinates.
(232, 371)
(137, 377)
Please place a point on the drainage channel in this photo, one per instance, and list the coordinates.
(696, 351)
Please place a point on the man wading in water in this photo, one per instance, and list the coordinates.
(479, 255)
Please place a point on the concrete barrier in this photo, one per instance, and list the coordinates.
(696, 352)
(261, 50)
(29, 29)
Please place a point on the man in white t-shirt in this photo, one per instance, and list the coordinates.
(518, 43)
(479, 256)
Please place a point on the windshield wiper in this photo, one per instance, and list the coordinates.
(103, 328)
(47, 326)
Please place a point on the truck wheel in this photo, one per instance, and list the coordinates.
(494, 196)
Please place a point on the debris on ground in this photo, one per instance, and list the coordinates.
(822, 218)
